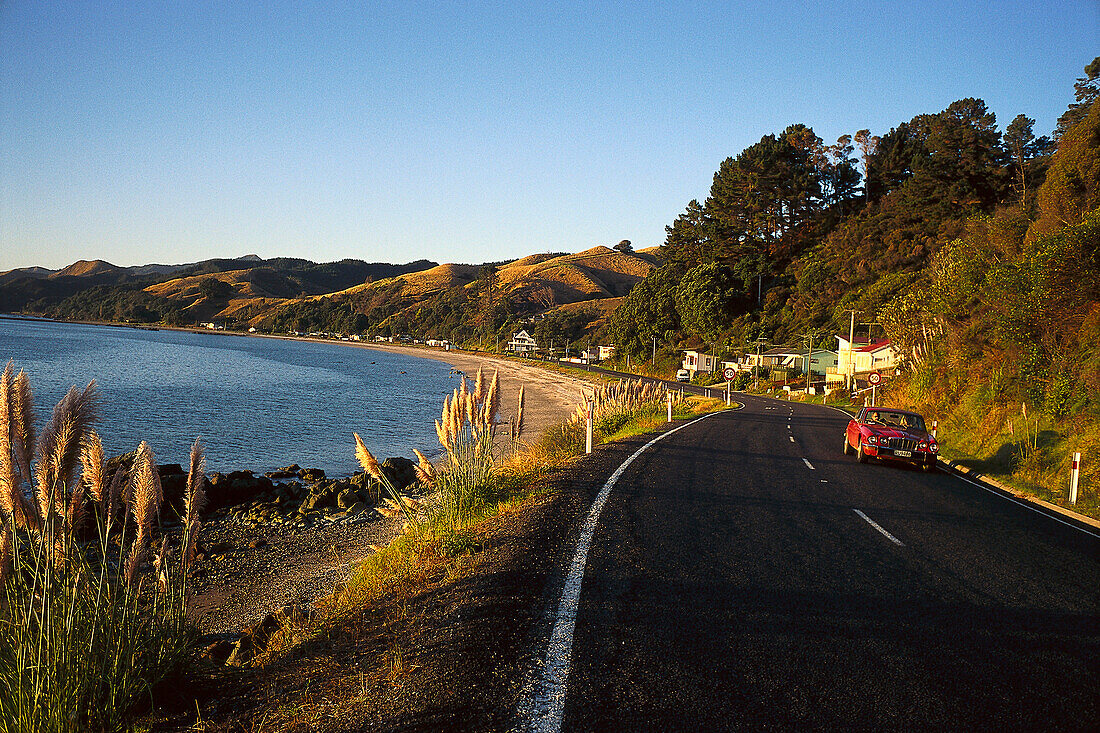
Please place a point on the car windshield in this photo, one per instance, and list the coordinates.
(890, 418)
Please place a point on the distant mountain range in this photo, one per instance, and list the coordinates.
(38, 289)
(251, 291)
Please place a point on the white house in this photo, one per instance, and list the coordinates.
(522, 343)
(697, 361)
(860, 357)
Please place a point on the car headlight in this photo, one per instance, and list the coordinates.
(872, 439)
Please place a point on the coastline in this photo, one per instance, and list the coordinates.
(550, 397)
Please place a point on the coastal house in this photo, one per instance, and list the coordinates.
(522, 343)
(698, 361)
(860, 357)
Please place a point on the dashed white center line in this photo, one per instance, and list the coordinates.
(791, 437)
(885, 534)
(809, 465)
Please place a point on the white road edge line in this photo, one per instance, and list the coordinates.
(1026, 505)
(874, 524)
(809, 465)
(547, 704)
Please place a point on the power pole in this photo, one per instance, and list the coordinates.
(756, 366)
(654, 359)
(851, 337)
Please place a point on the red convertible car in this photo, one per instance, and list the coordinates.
(891, 434)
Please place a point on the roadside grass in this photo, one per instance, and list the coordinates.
(87, 633)
(411, 558)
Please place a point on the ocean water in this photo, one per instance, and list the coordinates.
(256, 403)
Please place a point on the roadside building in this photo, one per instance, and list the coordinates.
(861, 357)
(522, 343)
(698, 361)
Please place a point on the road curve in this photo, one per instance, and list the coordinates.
(745, 575)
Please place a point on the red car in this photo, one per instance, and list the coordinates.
(891, 434)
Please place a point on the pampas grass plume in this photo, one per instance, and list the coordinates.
(367, 460)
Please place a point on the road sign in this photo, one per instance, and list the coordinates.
(729, 373)
(874, 378)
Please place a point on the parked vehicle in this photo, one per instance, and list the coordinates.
(891, 434)
(683, 375)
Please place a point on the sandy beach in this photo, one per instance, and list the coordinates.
(549, 396)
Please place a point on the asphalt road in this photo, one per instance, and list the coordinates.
(745, 575)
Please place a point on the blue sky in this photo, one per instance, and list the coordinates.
(393, 131)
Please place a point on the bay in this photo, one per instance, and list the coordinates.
(257, 403)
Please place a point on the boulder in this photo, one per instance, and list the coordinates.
(311, 475)
(227, 490)
(401, 472)
(347, 497)
(355, 509)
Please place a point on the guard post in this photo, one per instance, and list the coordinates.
(1073, 477)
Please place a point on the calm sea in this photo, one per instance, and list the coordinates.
(257, 403)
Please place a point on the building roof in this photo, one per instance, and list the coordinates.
(875, 346)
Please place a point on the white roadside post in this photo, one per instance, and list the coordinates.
(1073, 476)
(588, 428)
(729, 386)
(669, 396)
(935, 426)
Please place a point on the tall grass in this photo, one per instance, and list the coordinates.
(473, 441)
(87, 626)
(616, 403)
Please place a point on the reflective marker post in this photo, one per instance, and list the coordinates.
(588, 428)
(935, 426)
(1074, 474)
(669, 395)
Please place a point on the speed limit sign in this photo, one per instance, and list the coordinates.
(874, 378)
(729, 373)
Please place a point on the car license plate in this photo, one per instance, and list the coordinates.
(903, 454)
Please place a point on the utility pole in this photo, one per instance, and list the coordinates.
(654, 359)
(756, 366)
(849, 371)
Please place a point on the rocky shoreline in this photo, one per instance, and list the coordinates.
(271, 545)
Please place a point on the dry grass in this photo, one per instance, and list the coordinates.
(86, 630)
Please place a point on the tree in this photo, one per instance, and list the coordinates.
(1086, 91)
(867, 143)
(213, 288)
(648, 310)
(704, 300)
(1025, 151)
(1072, 185)
(624, 246)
